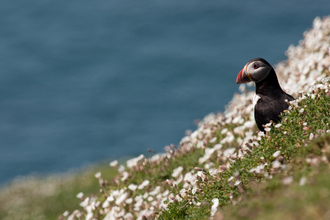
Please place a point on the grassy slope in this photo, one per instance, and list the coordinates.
(46, 197)
(298, 200)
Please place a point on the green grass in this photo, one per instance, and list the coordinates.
(272, 199)
(46, 197)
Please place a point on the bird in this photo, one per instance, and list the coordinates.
(270, 100)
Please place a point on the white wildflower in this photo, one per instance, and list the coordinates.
(121, 168)
(313, 96)
(278, 125)
(287, 180)
(277, 153)
(276, 164)
(214, 206)
(129, 201)
(114, 163)
(85, 202)
(128, 216)
(261, 134)
(230, 178)
(268, 124)
(237, 182)
(121, 198)
(125, 175)
(143, 184)
(177, 172)
(302, 181)
(239, 130)
(217, 147)
(207, 155)
(132, 187)
(66, 213)
(229, 152)
(98, 175)
(165, 193)
(105, 204)
(80, 195)
(214, 139)
(178, 180)
(249, 124)
(133, 162)
(110, 198)
(259, 168)
(223, 131)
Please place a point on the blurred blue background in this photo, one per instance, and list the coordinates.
(83, 81)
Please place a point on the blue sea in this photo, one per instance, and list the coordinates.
(87, 81)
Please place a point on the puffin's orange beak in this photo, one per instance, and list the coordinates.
(242, 77)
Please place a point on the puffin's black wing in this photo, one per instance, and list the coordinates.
(269, 108)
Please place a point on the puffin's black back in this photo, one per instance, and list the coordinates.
(271, 102)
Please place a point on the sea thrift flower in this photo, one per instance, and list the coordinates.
(276, 164)
(287, 180)
(85, 202)
(259, 168)
(230, 178)
(278, 125)
(277, 153)
(144, 184)
(114, 163)
(98, 175)
(267, 129)
(125, 175)
(66, 213)
(129, 201)
(213, 140)
(207, 155)
(177, 172)
(237, 182)
(133, 162)
(121, 198)
(302, 181)
(121, 168)
(214, 207)
(132, 187)
(80, 195)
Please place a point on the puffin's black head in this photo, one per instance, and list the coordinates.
(255, 70)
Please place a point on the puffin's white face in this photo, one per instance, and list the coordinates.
(253, 71)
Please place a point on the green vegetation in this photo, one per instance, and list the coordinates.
(47, 197)
(307, 197)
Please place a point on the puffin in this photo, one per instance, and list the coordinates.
(270, 100)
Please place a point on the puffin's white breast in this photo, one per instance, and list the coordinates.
(255, 100)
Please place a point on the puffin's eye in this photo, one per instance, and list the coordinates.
(255, 66)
